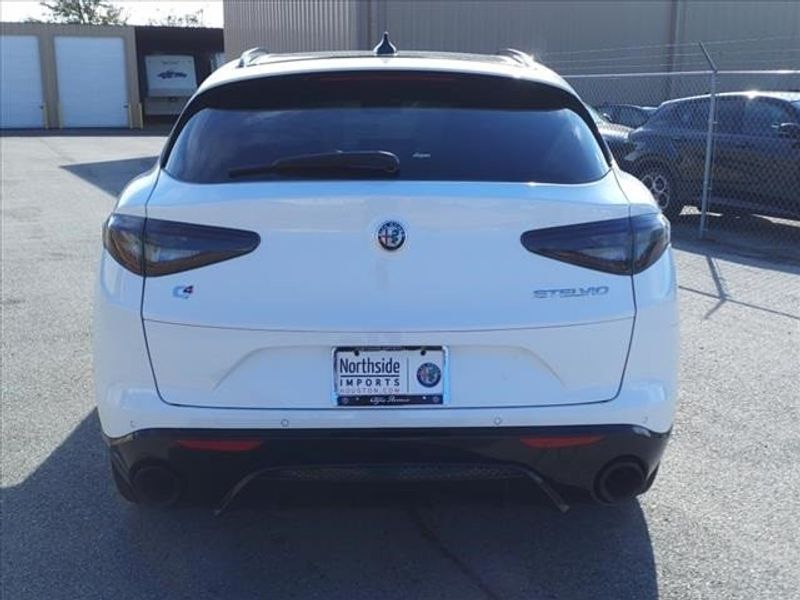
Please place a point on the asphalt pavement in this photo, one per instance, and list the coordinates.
(720, 522)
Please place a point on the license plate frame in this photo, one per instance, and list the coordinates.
(410, 392)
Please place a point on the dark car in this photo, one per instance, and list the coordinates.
(756, 154)
(615, 135)
(171, 74)
(629, 115)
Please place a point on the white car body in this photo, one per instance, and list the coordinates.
(530, 341)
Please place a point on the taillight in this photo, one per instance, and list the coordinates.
(152, 247)
(621, 246)
(122, 237)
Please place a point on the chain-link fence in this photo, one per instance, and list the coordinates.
(718, 148)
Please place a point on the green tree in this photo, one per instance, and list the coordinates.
(85, 12)
(192, 19)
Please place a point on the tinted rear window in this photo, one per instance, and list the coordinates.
(440, 128)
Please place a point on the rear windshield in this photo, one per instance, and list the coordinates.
(441, 128)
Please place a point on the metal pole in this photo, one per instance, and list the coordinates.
(712, 106)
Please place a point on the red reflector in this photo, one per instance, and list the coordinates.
(220, 445)
(560, 441)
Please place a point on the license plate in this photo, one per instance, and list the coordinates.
(389, 376)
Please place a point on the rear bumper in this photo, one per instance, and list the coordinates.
(567, 458)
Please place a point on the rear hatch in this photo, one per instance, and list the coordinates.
(260, 330)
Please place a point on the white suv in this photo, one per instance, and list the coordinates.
(393, 265)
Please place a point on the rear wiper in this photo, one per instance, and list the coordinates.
(365, 162)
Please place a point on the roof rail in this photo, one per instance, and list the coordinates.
(519, 56)
(248, 56)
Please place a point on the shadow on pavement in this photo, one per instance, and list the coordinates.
(751, 240)
(770, 248)
(67, 535)
(111, 176)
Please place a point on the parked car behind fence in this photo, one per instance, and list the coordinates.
(615, 135)
(629, 115)
(756, 154)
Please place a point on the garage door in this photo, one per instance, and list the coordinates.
(20, 82)
(92, 89)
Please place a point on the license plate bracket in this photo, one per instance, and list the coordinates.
(393, 376)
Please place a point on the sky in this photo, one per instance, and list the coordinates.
(139, 13)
